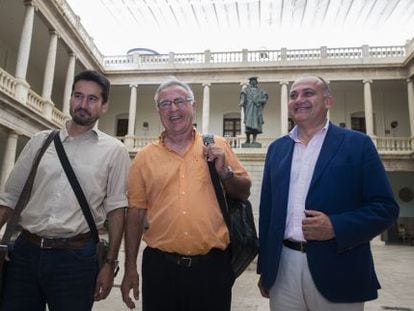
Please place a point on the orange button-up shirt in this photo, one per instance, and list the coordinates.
(182, 210)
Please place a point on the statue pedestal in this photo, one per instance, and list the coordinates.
(252, 145)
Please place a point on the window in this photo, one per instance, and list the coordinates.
(121, 127)
(358, 124)
(231, 127)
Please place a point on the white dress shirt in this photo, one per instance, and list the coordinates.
(101, 165)
(303, 165)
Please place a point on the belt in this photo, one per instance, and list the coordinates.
(297, 246)
(187, 261)
(75, 242)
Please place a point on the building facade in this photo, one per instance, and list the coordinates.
(43, 45)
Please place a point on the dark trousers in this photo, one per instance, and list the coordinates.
(204, 286)
(61, 278)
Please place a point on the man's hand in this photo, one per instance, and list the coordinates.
(317, 226)
(130, 281)
(104, 282)
(263, 291)
(213, 152)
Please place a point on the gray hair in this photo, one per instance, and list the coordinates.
(173, 82)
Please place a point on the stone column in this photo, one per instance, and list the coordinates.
(369, 117)
(70, 74)
(410, 91)
(50, 67)
(49, 75)
(284, 118)
(205, 127)
(9, 158)
(23, 54)
(129, 139)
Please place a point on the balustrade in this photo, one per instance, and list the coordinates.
(7, 83)
(226, 57)
(261, 56)
(396, 145)
(344, 53)
(386, 51)
(35, 102)
(58, 117)
(73, 19)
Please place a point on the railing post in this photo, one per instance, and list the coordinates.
(171, 57)
(136, 58)
(48, 106)
(324, 52)
(283, 53)
(207, 56)
(129, 142)
(245, 55)
(22, 90)
(365, 51)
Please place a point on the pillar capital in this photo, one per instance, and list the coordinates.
(284, 82)
(204, 84)
(133, 85)
(367, 81)
(409, 80)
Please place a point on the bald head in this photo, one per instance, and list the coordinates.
(320, 82)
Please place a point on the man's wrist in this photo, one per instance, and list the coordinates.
(113, 263)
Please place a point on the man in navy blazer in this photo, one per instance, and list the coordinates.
(325, 195)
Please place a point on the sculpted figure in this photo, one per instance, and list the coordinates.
(253, 99)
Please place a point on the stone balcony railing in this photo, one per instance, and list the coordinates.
(283, 57)
(73, 19)
(32, 101)
(385, 145)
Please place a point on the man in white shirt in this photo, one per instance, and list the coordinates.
(54, 258)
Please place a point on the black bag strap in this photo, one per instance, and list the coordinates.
(215, 179)
(77, 189)
(26, 191)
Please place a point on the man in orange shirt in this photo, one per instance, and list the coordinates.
(186, 265)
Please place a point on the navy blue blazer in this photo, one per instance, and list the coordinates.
(351, 186)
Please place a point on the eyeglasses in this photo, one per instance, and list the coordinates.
(179, 102)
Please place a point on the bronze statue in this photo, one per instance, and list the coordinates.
(253, 99)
